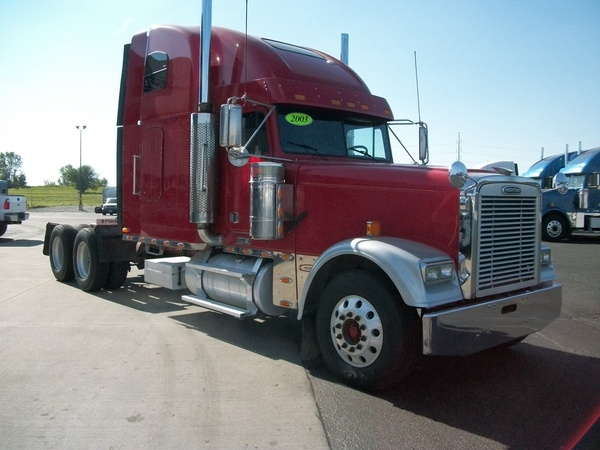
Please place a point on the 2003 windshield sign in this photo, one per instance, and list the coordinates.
(298, 119)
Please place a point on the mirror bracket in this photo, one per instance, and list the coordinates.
(230, 131)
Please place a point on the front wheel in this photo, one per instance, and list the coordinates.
(367, 336)
(3, 228)
(91, 274)
(554, 228)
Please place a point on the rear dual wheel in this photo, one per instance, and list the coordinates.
(117, 274)
(60, 251)
(90, 273)
(73, 252)
(368, 337)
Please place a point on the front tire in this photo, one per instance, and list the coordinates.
(367, 336)
(91, 274)
(3, 228)
(554, 228)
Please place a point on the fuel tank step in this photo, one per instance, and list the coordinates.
(213, 305)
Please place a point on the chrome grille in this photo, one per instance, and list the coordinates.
(507, 243)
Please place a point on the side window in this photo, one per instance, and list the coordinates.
(155, 76)
(365, 142)
(260, 143)
(594, 180)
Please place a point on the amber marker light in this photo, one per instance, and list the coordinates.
(125, 230)
(373, 228)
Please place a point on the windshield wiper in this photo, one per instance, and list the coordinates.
(362, 150)
(306, 147)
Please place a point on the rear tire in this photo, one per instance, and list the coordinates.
(367, 336)
(117, 274)
(60, 252)
(91, 274)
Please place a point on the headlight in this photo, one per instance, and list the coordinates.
(437, 271)
(545, 256)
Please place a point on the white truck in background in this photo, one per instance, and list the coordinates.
(14, 208)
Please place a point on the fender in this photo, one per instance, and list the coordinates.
(401, 260)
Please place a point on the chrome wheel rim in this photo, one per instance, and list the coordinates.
(83, 261)
(58, 251)
(356, 331)
(554, 228)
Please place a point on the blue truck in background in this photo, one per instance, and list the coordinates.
(579, 208)
(544, 170)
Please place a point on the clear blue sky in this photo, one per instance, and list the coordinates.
(510, 76)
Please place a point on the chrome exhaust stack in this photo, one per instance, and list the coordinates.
(203, 150)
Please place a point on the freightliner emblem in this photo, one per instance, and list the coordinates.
(511, 190)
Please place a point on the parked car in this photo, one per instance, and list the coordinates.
(110, 206)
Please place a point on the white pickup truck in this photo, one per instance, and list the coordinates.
(13, 208)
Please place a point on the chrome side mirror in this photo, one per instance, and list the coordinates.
(423, 144)
(458, 174)
(230, 132)
(560, 183)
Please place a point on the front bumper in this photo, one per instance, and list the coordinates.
(469, 329)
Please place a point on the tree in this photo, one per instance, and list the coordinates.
(82, 180)
(68, 174)
(10, 169)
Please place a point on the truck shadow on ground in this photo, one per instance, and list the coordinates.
(506, 396)
(8, 242)
(147, 298)
(523, 397)
(583, 238)
(276, 338)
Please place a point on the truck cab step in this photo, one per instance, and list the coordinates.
(213, 305)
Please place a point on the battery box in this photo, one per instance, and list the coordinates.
(166, 272)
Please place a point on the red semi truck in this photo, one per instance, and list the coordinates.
(259, 176)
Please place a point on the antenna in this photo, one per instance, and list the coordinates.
(417, 80)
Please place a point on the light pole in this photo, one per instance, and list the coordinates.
(80, 128)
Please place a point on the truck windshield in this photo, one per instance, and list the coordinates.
(327, 133)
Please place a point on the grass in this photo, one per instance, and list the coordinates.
(44, 196)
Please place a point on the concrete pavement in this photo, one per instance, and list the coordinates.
(139, 368)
